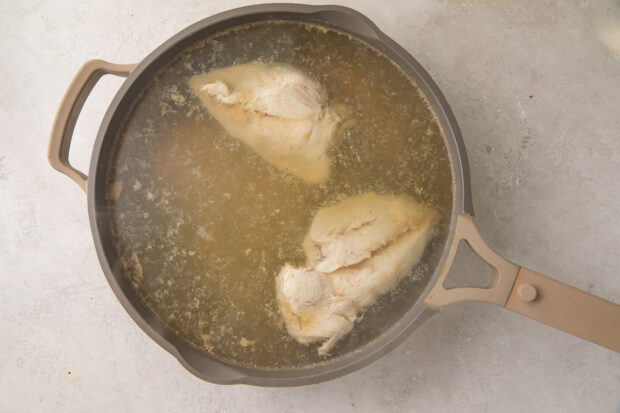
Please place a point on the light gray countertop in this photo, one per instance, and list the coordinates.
(535, 86)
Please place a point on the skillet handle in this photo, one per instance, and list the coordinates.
(69, 110)
(505, 272)
(566, 308)
(531, 294)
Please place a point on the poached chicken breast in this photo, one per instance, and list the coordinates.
(356, 251)
(277, 111)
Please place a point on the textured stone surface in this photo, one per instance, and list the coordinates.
(535, 86)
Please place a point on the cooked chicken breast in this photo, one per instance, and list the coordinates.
(357, 251)
(277, 111)
(353, 230)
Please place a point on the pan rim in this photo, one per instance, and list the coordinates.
(219, 372)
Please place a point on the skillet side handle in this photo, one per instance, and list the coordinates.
(69, 110)
(566, 308)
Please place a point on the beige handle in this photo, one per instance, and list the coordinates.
(531, 294)
(503, 278)
(69, 110)
(566, 308)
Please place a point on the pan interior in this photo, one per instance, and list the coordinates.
(202, 224)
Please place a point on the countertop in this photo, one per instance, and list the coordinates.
(535, 87)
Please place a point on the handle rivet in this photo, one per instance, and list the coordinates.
(527, 292)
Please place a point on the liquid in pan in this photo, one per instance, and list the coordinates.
(204, 224)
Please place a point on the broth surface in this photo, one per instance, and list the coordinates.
(203, 224)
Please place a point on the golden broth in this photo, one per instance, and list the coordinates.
(203, 224)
